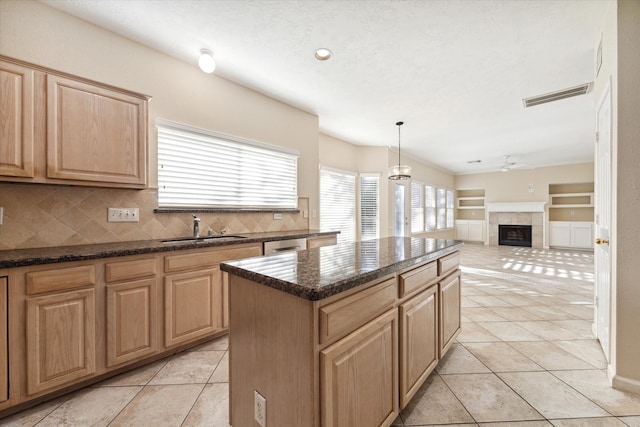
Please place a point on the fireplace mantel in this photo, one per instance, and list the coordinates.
(516, 207)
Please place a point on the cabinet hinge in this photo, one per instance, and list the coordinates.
(597, 301)
(597, 137)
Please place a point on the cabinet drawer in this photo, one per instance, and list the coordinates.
(208, 259)
(448, 263)
(128, 270)
(417, 278)
(341, 317)
(39, 282)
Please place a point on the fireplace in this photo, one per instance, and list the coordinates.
(514, 235)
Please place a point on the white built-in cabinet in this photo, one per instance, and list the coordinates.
(470, 230)
(566, 234)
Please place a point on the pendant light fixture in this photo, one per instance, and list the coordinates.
(399, 171)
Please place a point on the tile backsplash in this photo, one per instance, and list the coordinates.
(51, 215)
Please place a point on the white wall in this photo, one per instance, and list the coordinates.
(621, 62)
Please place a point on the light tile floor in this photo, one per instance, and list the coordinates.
(525, 357)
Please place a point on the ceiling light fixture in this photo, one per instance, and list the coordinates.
(206, 61)
(322, 54)
(399, 171)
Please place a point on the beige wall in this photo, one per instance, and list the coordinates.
(36, 33)
(342, 155)
(513, 186)
(621, 37)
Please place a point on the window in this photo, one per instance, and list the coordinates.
(417, 207)
(199, 168)
(430, 208)
(439, 208)
(450, 209)
(369, 209)
(338, 203)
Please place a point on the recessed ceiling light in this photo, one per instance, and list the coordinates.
(322, 54)
(206, 61)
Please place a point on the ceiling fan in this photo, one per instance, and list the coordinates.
(507, 165)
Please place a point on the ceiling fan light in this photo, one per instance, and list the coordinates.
(206, 61)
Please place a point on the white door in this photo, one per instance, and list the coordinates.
(603, 221)
(400, 201)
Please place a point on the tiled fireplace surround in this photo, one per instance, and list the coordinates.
(525, 213)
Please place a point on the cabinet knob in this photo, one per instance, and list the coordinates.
(600, 241)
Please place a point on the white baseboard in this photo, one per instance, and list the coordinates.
(625, 384)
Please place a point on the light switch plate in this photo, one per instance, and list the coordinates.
(123, 215)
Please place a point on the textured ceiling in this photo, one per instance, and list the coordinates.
(454, 71)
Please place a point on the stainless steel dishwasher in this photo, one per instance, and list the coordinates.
(277, 246)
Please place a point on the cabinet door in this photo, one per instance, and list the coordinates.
(16, 120)
(358, 376)
(95, 134)
(193, 304)
(418, 342)
(449, 311)
(581, 235)
(560, 234)
(462, 230)
(60, 339)
(131, 320)
(4, 362)
(476, 231)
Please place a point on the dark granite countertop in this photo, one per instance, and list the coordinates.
(319, 273)
(51, 255)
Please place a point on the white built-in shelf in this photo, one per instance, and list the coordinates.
(571, 200)
(470, 199)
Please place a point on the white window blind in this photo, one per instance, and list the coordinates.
(417, 207)
(338, 203)
(198, 168)
(369, 207)
(441, 206)
(450, 208)
(430, 208)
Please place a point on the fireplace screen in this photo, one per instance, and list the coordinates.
(514, 235)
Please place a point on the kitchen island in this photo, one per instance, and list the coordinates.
(341, 335)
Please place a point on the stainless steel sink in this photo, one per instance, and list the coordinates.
(188, 240)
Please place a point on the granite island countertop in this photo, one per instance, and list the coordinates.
(315, 274)
(50, 255)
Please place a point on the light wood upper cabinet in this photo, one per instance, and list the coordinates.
(358, 376)
(16, 120)
(4, 363)
(418, 342)
(94, 133)
(60, 339)
(57, 128)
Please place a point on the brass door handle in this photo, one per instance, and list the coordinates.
(600, 241)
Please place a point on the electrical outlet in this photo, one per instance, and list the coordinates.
(123, 215)
(277, 216)
(1, 215)
(260, 409)
(305, 214)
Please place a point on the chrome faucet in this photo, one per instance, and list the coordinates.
(196, 226)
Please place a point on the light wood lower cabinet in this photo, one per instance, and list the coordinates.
(418, 342)
(351, 359)
(4, 362)
(317, 242)
(131, 320)
(61, 334)
(193, 303)
(449, 300)
(358, 376)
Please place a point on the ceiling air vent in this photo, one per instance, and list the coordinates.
(557, 95)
